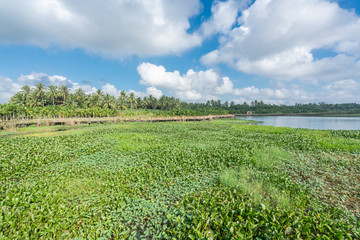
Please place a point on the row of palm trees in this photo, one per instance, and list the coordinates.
(41, 95)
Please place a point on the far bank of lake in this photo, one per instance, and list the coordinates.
(310, 122)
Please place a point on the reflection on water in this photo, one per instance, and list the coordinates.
(334, 123)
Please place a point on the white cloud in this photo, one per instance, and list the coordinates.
(192, 86)
(57, 80)
(7, 89)
(199, 86)
(149, 91)
(154, 92)
(110, 89)
(223, 16)
(348, 84)
(88, 89)
(205, 85)
(344, 91)
(289, 95)
(110, 28)
(276, 39)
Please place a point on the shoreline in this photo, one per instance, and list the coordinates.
(300, 114)
(100, 120)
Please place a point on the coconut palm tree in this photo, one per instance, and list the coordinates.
(64, 92)
(95, 100)
(177, 103)
(39, 93)
(122, 101)
(17, 99)
(52, 93)
(163, 102)
(109, 101)
(26, 91)
(100, 96)
(79, 97)
(144, 103)
(153, 101)
(132, 100)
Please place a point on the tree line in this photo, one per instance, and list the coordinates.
(260, 107)
(41, 95)
(53, 101)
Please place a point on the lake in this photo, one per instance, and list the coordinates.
(334, 123)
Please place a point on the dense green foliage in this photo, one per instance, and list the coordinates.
(193, 180)
(10, 111)
(262, 108)
(52, 101)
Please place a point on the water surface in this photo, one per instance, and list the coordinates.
(334, 123)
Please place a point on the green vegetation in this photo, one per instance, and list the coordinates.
(252, 180)
(51, 101)
(194, 180)
(260, 107)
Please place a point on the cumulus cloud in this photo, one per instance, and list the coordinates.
(285, 95)
(110, 28)
(223, 16)
(277, 38)
(154, 92)
(56, 80)
(342, 91)
(7, 89)
(205, 85)
(198, 86)
(192, 86)
(110, 89)
(346, 91)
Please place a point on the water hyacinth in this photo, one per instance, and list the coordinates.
(192, 180)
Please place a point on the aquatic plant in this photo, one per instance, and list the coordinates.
(192, 180)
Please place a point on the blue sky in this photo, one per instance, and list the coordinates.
(278, 51)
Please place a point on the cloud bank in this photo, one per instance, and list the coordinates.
(223, 17)
(196, 86)
(110, 28)
(210, 84)
(7, 89)
(311, 42)
(192, 86)
(277, 39)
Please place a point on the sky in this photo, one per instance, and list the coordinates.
(277, 51)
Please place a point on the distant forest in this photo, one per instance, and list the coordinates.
(53, 101)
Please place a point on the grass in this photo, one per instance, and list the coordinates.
(192, 180)
(50, 131)
(260, 179)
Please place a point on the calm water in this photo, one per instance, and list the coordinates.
(334, 123)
